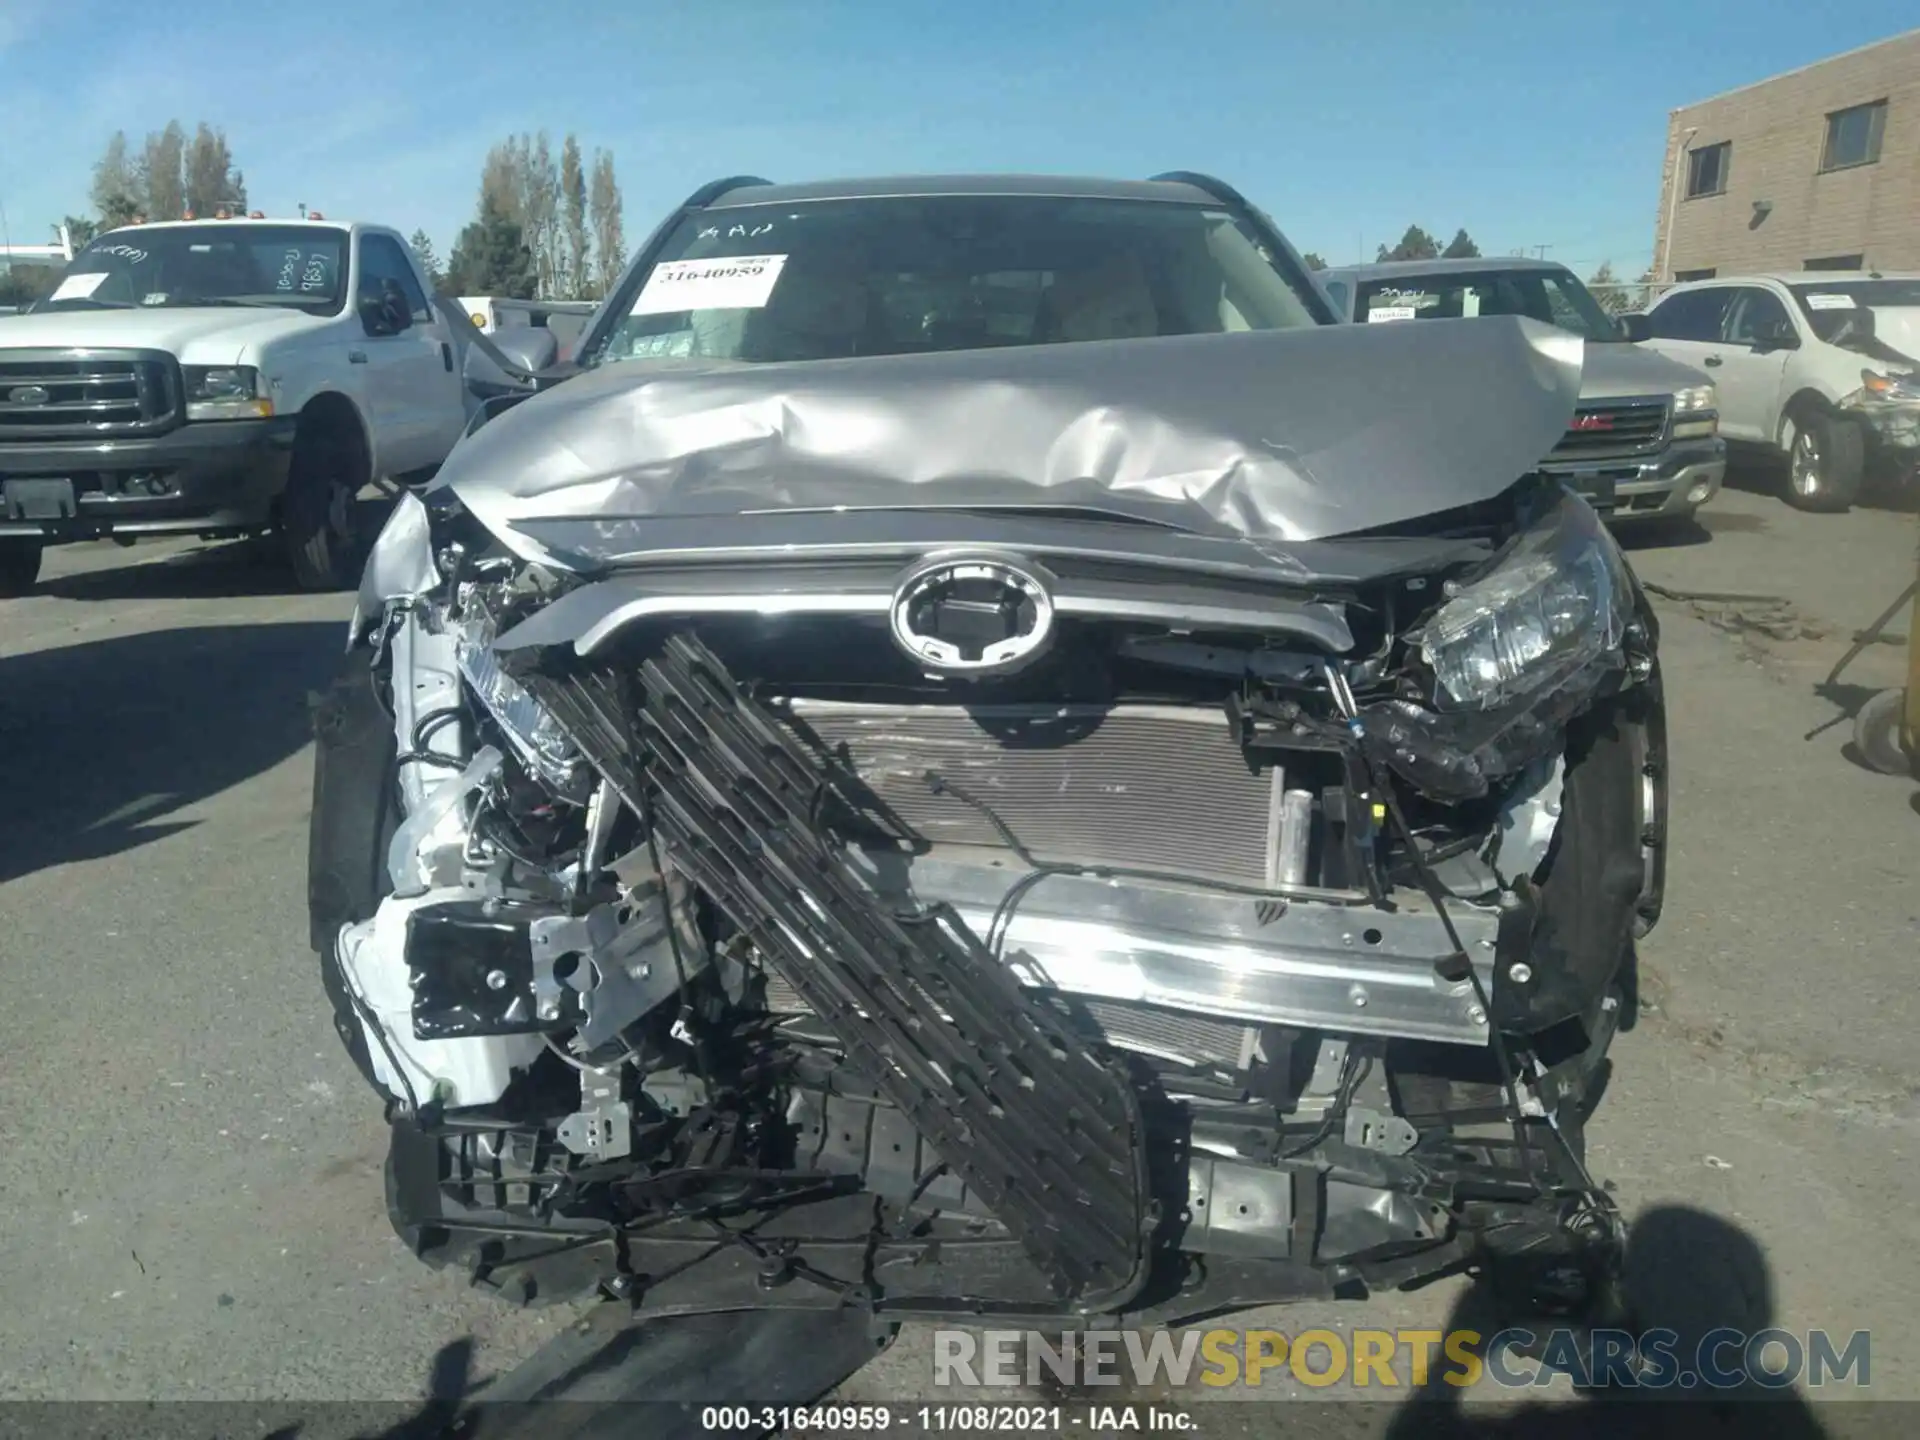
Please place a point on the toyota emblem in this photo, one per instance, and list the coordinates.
(28, 395)
(972, 616)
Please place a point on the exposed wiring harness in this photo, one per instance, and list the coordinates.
(1595, 1202)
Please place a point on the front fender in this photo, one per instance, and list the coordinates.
(400, 566)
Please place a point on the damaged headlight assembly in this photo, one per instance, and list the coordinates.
(1513, 655)
(537, 738)
(1555, 602)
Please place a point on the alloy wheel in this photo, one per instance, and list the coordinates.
(1805, 463)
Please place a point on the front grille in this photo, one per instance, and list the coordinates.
(1613, 427)
(66, 394)
(1148, 787)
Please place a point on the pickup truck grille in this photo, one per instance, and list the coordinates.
(93, 395)
(1613, 427)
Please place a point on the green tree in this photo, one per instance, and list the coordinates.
(80, 230)
(1461, 247)
(161, 169)
(1616, 296)
(422, 245)
(1416, 244)
(573, 198)
(606, 211)
(492, 256)
(117, 191)
(1314, 262)
(209, 181)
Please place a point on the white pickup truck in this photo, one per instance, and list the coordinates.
(229, 377)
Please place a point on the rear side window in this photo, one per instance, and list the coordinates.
(1691, 314)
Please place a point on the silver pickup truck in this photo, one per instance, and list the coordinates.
(1645, 440)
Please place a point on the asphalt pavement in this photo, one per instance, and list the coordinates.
(190, 1200)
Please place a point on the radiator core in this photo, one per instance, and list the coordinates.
(1149, 787)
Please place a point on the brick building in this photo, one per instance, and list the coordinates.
(1815, 169)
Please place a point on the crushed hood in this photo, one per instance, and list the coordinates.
(1257, 435)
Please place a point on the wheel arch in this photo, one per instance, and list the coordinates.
(332, 412)
(1807, 400)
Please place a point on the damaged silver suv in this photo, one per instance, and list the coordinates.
(981, 755)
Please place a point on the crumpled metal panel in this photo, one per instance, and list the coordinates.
(399, 564)
(1268, 436)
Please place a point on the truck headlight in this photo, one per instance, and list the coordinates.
(225, 392)
(1556, 600)
(1693, 398)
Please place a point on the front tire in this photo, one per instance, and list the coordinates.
(19, 565)
(316, 519)
(1826, 462)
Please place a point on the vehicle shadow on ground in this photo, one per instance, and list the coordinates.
(1662, 535)
(1688, 1272)
(101, 742)
(659, 1379)
(216, 570)
(1760, 474)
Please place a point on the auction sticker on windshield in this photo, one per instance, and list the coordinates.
(78, 287)
(738, 282)
(1830, 302)
(1391, 312)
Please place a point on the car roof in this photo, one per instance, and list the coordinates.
(1394, 269)
(1800, 277)
(1177, 192)
(295, 221)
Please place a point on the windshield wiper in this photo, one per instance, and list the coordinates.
(88, 300)
(191, 301)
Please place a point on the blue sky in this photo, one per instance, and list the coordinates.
(1527, 125)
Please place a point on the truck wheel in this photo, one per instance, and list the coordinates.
(316, 519)
(1876, 734)
(19, 565)
(1826, 459)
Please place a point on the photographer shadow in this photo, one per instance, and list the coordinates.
(1686, 1271)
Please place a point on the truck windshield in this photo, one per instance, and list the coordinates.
(897, 275)
(1554, 296)
(301, 267)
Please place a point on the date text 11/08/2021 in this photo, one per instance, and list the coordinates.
(935, 1419)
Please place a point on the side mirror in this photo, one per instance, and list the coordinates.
(529, 347)
(385, 312)
(1635, 326)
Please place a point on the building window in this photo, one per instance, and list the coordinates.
(1681, 277)
(1853, 136)
(1837, 262)
(1707, 169)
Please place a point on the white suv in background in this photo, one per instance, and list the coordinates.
(1817, 366)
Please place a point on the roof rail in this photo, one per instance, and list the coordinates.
(1217, 188)
(714, 189)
